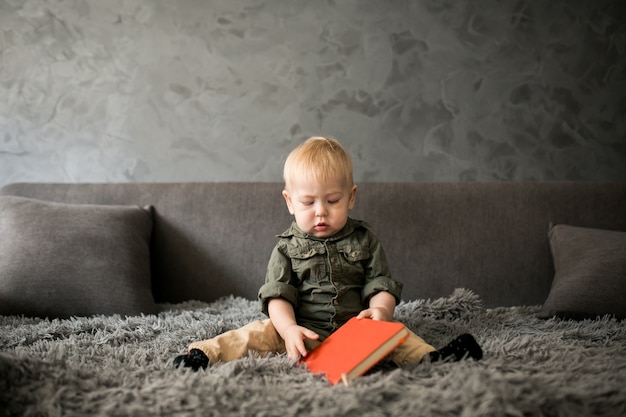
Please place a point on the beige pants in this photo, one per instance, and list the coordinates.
(261, 336)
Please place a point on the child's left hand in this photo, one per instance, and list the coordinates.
(375, 313)
(382, 306)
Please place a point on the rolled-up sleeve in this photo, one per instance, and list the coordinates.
(379, 284)
(279, 280)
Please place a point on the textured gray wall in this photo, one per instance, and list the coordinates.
(417, 90)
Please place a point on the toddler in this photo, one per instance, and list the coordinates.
(326, 268)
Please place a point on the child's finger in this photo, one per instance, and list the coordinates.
(310, 334)
(365, 314)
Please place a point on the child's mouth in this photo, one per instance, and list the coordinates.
(321, 227)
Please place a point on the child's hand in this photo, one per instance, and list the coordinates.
(294, 336)
(375, 313)
(284, 320)
(382, 305)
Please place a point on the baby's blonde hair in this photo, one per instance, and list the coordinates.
(319, 159)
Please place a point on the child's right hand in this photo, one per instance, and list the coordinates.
(284, 320)
(294, 337)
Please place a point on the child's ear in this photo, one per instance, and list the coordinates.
(287, 198)
(352, 197)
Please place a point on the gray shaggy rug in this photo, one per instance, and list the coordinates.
(123, 366)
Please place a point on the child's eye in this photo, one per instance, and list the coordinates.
(307, 203)
(333, 201)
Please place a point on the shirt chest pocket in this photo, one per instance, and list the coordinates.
(353, 258)
(308, 262)
(354, 253)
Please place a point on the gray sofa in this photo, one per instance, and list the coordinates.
(191, 256)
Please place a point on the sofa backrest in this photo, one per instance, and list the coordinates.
(214, 239)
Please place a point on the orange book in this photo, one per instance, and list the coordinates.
(354, 348)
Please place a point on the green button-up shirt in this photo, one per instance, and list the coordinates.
(330, 280)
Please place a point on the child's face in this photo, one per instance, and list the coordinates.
(320, 208)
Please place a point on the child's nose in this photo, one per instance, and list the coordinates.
(320, 210)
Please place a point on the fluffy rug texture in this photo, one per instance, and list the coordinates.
(123, 366)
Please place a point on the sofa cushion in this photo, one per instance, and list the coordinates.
(590, 273)
(61, 260)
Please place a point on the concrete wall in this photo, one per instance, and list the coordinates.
(222, 90)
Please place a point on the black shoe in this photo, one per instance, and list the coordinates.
(464, 346)
(194, 359)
